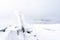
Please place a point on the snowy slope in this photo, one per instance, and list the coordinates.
(44, 32)
(9, 34)
(37, 32)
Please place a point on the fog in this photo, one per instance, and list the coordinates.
(32, 10)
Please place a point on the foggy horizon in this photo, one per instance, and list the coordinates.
(32, 9)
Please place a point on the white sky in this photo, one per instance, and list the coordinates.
(43, 9)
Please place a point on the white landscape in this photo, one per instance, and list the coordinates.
(31, 31)
(29, 19)
(38, 32)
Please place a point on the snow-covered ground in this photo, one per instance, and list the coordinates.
(37, 32)
(46, 31)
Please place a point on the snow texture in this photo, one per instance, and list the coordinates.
(33, 32)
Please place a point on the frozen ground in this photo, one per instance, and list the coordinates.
(47, 31)
(37, 32)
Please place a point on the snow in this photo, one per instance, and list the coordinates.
(38, 32)
(44, 32)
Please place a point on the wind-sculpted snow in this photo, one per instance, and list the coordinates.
(41, 32)
(33, 32)
(45, 32)
(12, 36)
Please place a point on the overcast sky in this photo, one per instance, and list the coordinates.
(39, 9)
